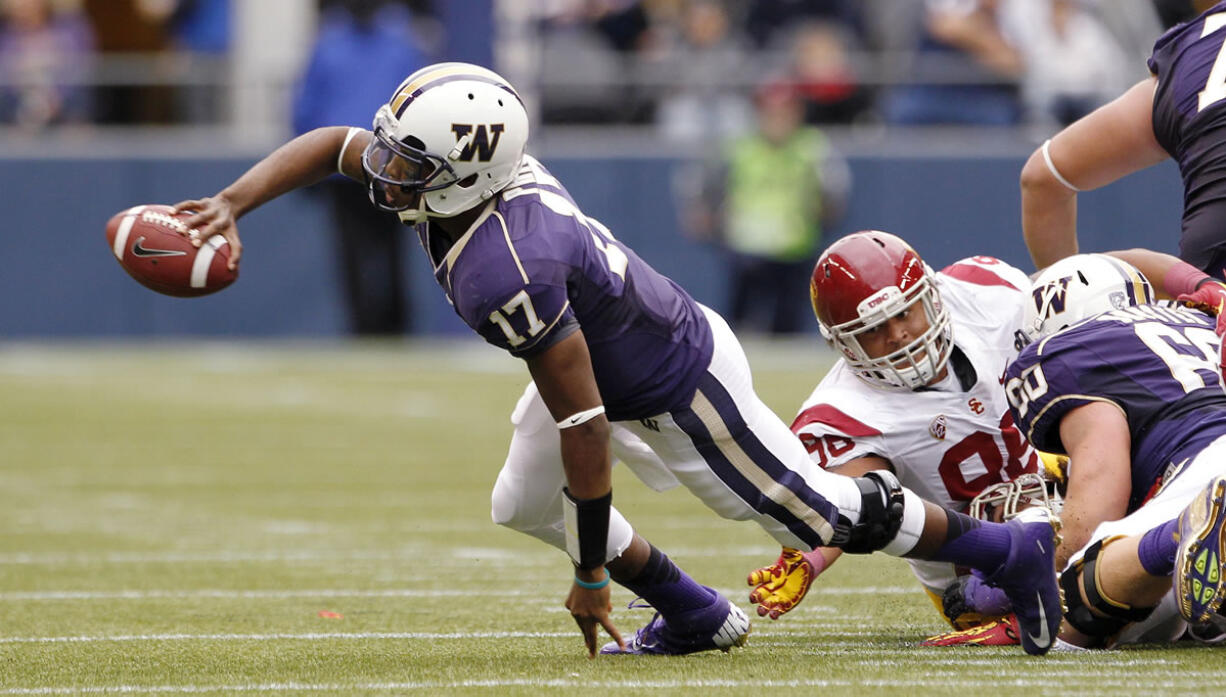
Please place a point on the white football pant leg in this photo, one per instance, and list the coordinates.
(750, 459)
(528, 493)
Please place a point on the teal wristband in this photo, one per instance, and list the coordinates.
(593, 586)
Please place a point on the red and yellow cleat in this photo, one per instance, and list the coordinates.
(1002, 632)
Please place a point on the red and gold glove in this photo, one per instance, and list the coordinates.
(781, 586)
(1209, 296)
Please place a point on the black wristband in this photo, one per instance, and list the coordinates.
(587, 529)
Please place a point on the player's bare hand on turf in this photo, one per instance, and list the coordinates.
(213, 215)
(591, 608)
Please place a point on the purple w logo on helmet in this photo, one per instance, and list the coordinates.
(482, 142)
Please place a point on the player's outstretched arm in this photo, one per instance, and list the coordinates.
(1101, 147)
(781, 586)
(1099, 444)
(563, 375)
(302, 161)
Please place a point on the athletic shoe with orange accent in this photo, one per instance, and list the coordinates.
(1002, 632)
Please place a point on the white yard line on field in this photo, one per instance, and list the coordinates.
(1082, 684)
(304, 636)
(19, 596)
(507, 556)
(31, 596)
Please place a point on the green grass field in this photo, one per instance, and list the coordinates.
(283, 519)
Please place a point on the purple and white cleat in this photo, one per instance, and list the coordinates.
(1028, 577)
(721, 625)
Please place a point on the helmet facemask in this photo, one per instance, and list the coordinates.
(399, 173)
(451, 137)
(910, 366)
(1003, 501)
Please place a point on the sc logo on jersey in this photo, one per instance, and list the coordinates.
(482, 143)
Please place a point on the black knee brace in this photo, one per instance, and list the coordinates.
(1096, 615)
(881, 506)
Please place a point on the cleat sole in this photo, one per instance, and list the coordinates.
(1199, 570)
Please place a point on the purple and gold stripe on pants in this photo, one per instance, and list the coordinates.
(750, 469)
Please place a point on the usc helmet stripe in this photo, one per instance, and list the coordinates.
(424, 79)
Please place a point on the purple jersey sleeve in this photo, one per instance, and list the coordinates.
(535, 270)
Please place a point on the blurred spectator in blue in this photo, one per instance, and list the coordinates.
(768, 202)
(363, 50)
(1074, 64)
(974, 67)
(202, 26)
(45, 56)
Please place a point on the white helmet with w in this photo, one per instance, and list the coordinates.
(1078, 287)
(451, 137)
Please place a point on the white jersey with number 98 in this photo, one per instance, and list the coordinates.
(948, 441)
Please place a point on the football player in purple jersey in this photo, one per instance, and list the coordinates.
(1130, 391)
(1178, 112)
(623, 362)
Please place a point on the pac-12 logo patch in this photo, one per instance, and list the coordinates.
(936, 429)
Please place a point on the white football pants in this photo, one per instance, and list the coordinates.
(726, 447)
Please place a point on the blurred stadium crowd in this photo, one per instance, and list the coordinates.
(688, 68)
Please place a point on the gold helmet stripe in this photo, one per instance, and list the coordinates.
(419, 81)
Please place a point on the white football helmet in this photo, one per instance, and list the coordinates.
(451, 137)
(1078, 287)
(859, 283)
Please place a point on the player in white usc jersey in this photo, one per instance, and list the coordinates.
(943, 427)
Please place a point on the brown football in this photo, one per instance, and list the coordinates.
(154, 246)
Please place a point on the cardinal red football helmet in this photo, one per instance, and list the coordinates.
(859, 283)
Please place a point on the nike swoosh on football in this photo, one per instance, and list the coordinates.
(140, 250)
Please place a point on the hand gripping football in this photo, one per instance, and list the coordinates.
(154, 246)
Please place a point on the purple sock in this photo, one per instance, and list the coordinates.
(669, 589)
(1157, 549)
(974, 543)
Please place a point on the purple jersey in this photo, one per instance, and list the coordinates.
(1157, 363)
(1189, 122)
(533, 269)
